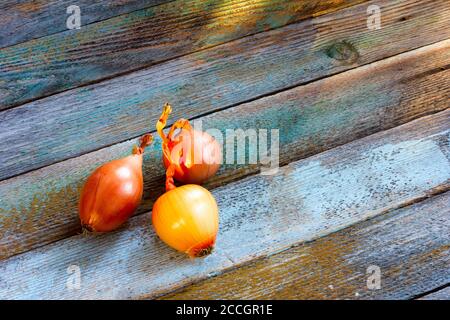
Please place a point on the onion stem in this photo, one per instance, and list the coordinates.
(162, 122)
(145, 141)
(170, 183)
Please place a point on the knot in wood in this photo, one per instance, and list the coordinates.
(343, 51)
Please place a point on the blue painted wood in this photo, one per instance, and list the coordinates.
(259, 215)
(96, 116)
(311, 119)
(23, 20)
(407, 248)
(68, 59)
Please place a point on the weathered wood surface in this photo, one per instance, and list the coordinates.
(410, 246)
(260, 215)
(443, 294)
(58, 62)
(41, 206)
(128, 106)
(23, 20)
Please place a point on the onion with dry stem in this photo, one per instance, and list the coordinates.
(186, 218)
(113, 191)
(195, 155)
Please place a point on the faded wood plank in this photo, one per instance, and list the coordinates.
(126, 107)
(58, 62)
(443, 294)
(410, 246)
(23, 20)
(41, 206)
(260, 215)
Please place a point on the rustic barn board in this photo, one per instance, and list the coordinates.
(410, 246)
(259, 215)
(128, 106)
(310, 118)
(23, 20)
(58, 62)
(443, 294)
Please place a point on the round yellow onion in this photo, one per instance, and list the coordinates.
(187, 219)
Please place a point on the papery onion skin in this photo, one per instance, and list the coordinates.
(112, 193)
(187, 219)
(196, 155)
(208, 151)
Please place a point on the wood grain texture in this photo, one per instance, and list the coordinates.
(443, 294)
(58, 62)
(41, 206)
(410, 246)
(259, 215)
(96, 116)
(23, 20)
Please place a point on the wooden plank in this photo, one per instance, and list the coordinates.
(127, 107)
(443, 294)
(260, 215)
(58, 62)
(41, 206)
(24, 20)
(410, 246)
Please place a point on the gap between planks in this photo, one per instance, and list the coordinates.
(443, 293)
(41, 207)
(22, 21)
(260, 215)
(207, 82)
